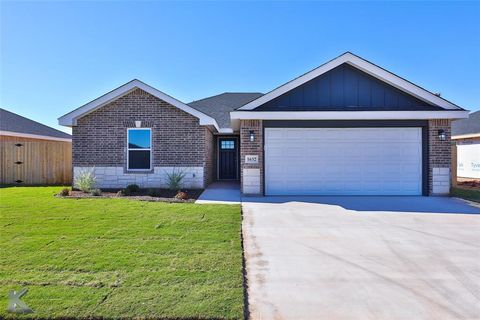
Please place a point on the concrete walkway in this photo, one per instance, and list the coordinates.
(225, 192)
(362, 258)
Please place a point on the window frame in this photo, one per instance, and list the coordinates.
(139, 149)
(227, 146)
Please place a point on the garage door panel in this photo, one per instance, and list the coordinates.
(393, 153)
(410, 135)
(343, 161)
(410, 171)
(295, 134)
(275, 170)
(274, 134)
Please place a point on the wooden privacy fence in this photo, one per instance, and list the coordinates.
(35, 162)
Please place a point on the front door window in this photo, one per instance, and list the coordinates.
(227, 158)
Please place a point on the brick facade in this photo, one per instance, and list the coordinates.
(440, 157)
(251, 174)
(100, 137)
(209, 157)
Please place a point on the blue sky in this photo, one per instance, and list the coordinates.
(56, 56)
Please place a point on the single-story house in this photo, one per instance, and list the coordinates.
(466, 136)
(348, 127)
(32, 153)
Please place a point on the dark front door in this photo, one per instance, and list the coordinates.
(227, 158)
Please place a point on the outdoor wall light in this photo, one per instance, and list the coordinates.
(252, 136)
(138, 124)
(441, 135)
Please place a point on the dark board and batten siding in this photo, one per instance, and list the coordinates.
(345, 88)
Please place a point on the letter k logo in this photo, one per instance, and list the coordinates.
(15, 305)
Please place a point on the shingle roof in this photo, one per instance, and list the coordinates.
(219, 106)
(467, 126)
(12, 122)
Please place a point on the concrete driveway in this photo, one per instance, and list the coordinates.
(362, 258)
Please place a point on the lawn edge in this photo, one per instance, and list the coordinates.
(246, 310)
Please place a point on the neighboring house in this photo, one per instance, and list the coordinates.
(466, 135)
(346, 127)
(32, 153)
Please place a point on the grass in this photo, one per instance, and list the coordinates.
(119, 258)
(467, 194)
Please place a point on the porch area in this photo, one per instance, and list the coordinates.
(226, 192)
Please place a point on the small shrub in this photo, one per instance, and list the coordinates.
(182, 195)
(152, 192)
(85, 180)
(125, 192)
(132, 188)
(175, 178)
(96, 192)
(64, 192)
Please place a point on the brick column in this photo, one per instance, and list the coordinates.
(439, 157)
(251, 174)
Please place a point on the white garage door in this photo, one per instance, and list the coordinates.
(343, 161)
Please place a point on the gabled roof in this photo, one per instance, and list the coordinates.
(14, 124)
(364, 66)
(70, 119)
(219, 106)
(467, 127)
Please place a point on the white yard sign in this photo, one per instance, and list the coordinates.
(468, 160)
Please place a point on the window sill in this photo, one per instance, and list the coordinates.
(138, 171)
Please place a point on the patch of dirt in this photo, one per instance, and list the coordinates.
(161, 195)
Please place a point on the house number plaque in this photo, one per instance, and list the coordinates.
(251, 159)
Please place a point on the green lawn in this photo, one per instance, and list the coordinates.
(468, 194)
(115, 258)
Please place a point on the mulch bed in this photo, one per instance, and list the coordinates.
(162, 195)
(471, 184)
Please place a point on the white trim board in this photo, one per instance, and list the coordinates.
(466, 136)
(364, 66)
(33, 136)
(347, 115)
(70, 119)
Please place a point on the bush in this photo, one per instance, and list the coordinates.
(175, 178)
(132, 188)
(85, 180)
(96, 192)
(64, 192)
(152, 192)
(182, 195)
(124, 192)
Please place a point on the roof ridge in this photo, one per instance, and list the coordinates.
(249, 101)
(226, 92)
(249, 92)
(216, 95)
